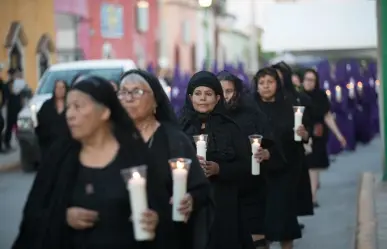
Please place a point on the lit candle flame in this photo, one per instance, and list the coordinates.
(377, 82)
(136, 175)
(201, 138)
(328, 92)
(349, 85)
(338, 88)
(255, 141)
(359, 85)
(179, 165)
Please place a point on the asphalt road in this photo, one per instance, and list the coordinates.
(332, 227)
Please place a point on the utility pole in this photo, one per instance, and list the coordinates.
(162, 36)
(254, 39)
(381, 8)
(206, 5)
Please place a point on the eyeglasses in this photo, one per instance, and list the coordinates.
(135, 94)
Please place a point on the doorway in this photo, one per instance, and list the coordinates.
(43, 64)
(16, 58)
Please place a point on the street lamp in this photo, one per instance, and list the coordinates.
(205, 3)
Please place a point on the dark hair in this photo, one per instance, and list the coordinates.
(67, 87)
(315, 73)
(286, 72)
(269, 71)
(235, 101)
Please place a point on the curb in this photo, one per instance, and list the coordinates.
(10, 167)
(366, 214)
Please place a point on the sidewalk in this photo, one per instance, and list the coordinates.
(381, 213)
(10, 161)
(334, 224)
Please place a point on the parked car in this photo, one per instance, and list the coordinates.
(29, 148)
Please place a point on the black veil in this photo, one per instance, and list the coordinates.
(164, 109)
(286, 72)
(208, 79)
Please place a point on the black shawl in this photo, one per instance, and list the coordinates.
(180, 146)
(43, 223)
(280, 117)
(219, 126)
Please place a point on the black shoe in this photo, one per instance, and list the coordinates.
(2, 151)
(316, 205)
(302, 226)
(9, 148)
(260, 244)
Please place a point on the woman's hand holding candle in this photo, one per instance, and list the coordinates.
(81, 218)
(211, 168)
(302, 132)
(202, 162)
(149, 222)
(262, 154)
(186, 206)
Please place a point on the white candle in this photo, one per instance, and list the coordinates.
(377, 88)
(338, 94)
(297, 123)
(255, 165)
(34, 116)
(139, 204)
(201, 147)
(351, 91)
(328, 93)
(360, 88)
(179, 175)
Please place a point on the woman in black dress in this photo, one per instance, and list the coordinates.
(79, 198)
(282, 170)
(227, 157)
(143, 97)
(321, 118)
(51, 118)
(299, 98)
(245, 112)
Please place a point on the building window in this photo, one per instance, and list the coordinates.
(112, 16)
(142, 16)
(186, 32)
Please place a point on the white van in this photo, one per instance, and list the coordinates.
(108, 69)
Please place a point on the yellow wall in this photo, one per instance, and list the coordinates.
(37, 17)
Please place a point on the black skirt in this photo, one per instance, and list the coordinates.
(253, 208)
(304, 193)
(281, 222)
(318, 159)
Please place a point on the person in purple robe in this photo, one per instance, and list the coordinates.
(374, 105)
(363, 113)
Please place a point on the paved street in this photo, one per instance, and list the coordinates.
(333, 226)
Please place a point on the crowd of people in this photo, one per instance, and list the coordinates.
(89, 131)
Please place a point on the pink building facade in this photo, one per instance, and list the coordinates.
(124, 29)
(77, 13)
